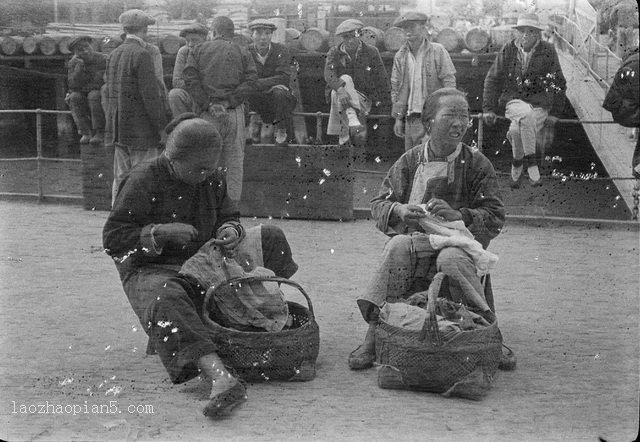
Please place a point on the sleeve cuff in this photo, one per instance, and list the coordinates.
(466, 217)
(148, 242)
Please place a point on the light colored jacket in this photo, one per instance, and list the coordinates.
(438, 71)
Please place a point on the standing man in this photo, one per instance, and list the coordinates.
(420, 67)
(220, 75)
(135, 117)
(273, 102)
(356, 80)
(526, 82)
(179, 99)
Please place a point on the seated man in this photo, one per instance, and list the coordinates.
(273, 101)
(86, 77)
(357, 82)
(179, 99)
(457, 184)
(165, 211)
(524, 81)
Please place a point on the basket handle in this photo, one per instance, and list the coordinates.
(430, 327)
(209, 296)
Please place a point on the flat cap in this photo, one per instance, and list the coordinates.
(349, 25)
(195, 28)
(262, 23)
(135, 18)
(75, 40)
(410, 16)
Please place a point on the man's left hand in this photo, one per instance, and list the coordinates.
(229, 234)
(441, 208)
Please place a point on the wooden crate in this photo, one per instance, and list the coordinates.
(298, 181)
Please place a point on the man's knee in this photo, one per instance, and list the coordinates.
(452, 259)
(77, 98)
(347, 80)
(276, 251)
(399, 243)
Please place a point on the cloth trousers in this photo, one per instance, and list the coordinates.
(408, 264)
(526, 122)
(86, 110)
(124, 159)
(338, 122)
(274, 106)
(414, 131)
(180, 102)
(231, 125)
(169, 306)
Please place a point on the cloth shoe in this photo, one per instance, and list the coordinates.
(537, 183)
(97, 138)
(85, 139)
(223, 403)
(281, 137)
(361, 361)
(266, 133)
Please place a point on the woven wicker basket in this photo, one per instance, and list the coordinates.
(287, 355)
(456, 364)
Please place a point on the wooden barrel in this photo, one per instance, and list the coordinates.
(109, 43)
(170, 43)
(292, 38)
(315, 40)
(63, 44)
(46, 45)
(373, 36)
(30, 45)
(242, 38)
(394, 37)
(477, 39)
(450, 39)
(11, 45)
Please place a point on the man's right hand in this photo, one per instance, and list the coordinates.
(489, 118)
(398, 128)
(343, 97)
(178, 234)
(410, 214)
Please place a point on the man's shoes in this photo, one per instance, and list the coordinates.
(254, 128)
(98, 138)
(281, 137)
(266, 133)
(223, 403)
(508, 360)
(515, 184)
(537, 183)
(85, 139)
(360, 360)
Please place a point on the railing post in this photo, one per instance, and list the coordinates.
(480, 132)
(39, 153)
(319, 127)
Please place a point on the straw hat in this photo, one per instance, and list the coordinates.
(529, 21)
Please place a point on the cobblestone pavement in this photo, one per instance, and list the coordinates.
(567, 303)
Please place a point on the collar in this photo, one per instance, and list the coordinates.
(521, 49)
(344, 50)
(449, 158)
(136, 38)
(268, 50)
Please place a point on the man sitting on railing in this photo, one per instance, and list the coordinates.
(525, 81)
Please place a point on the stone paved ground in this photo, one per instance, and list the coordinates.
(567, 301)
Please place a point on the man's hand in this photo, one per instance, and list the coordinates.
(441, 208)
(229, 234)
(489, 118)
(398, 128)
(343, 97)
(178, 234)
(410, 214)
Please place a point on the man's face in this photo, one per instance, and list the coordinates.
(83, 49)
(450, 123)
(528, 37)
(413, 30)
(193, 38)
(262, 37)
(350, 39)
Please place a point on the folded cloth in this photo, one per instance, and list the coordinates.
(411, 317)
(455, 234)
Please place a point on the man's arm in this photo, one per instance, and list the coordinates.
(150, 91)
(192, 80)
(395, 190)
(282, 75)
(330, 71)
(447, 71)
(178, 68)
(493, 83)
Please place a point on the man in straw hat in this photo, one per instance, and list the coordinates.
(179, 99)
(85, 78)
(420, 67)
(273, 101)
(526, 83)
(220, 75)
(357, 81)
(135, 114)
